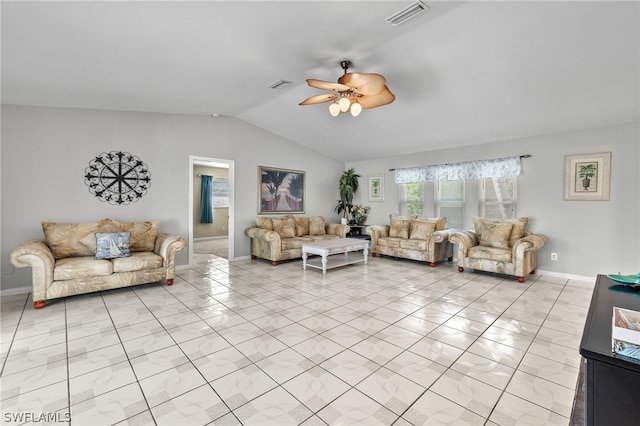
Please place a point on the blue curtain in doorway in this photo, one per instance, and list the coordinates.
(206, 199)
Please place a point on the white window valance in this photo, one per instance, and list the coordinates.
(479, 169)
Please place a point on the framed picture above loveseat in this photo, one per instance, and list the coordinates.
(280, 190)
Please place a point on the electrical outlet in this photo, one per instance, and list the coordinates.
(554, 256)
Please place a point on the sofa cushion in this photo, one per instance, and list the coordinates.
(492, 233)
(421, 228)
(112, 244)
(285, 227)
(391, 242)
(302, 226)
(414, 244)
(294, 243)
(323, 237)
(316, 226)
(399, 226)
(264, 222)
(519, 227)
(441, 222)
(137, 262)
(70, 239)
(490, 253)
(143, 234)
(71, 268)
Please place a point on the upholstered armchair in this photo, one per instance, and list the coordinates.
(502, 246)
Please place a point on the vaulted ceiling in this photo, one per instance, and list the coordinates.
(463, 72)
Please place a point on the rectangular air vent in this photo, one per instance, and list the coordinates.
(279, 84)
(406, 13)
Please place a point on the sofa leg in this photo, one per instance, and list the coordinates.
(460, 269)
(170, 281)
(520, 279)
(532, 272)
(274, 263)
(450, 259)
(38, 304)
(373, 255)
(253, 256)
(432, 264)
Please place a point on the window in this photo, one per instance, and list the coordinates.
(497, 197)
(449, 202)
(220, 193)
(411, 198)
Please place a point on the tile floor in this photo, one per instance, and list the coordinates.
(392, 342)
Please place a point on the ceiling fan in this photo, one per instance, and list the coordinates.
(353, 92)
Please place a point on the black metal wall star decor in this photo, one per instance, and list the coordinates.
(117, 177)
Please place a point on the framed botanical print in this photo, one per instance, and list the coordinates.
(587, 176)
(376, 187)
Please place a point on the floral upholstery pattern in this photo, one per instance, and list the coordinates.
(267, 243)
(64, 263)
(503, 246)
(412, 237)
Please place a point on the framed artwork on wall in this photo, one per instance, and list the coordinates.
(376, 187)
(587, 176)
(220, 193)
(280, 190)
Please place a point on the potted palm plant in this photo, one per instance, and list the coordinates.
(586, 172)
(347, 186)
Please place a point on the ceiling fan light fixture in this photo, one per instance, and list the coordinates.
(356, 108)
(344, 103)
(334, 109)
(406, 13)
(353, 92)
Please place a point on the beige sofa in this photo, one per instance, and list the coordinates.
(281, 238)
(503, 246)
(65, 263)
(417, 238)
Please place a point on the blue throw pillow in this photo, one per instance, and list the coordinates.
(112, 245)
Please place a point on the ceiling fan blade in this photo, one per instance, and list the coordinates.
(365, 84)
(326, 85)
(372, 101)
(318, 99)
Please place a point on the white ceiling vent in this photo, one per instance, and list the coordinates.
(279, 84)
(406, 13)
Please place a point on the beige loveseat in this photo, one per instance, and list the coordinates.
(413, 237)
(503, 246)
(65, 262)
(281, 238)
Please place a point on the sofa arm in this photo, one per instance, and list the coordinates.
(442, 236)
(463, 240)
(262, 234)
(36, 255)
(528, 242)
(337, 229)
(265, 243)
(375, 232)
(166, 246)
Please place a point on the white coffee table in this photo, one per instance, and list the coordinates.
(326, 248)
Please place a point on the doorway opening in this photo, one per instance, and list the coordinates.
(215, 237)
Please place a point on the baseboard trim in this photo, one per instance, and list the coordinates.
(14, 291)
(566, 276)
(222, 237)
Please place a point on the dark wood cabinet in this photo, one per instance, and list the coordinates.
(612, 391)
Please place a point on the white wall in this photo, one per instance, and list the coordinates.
(46, 150)
(590, 237)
